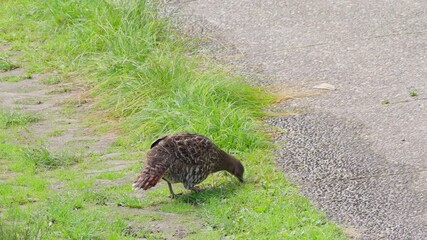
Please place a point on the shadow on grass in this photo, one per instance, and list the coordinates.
(186, 201)
(222, 191)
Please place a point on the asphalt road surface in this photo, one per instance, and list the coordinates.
(358, 145)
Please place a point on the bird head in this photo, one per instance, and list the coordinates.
(238, 170)
(231, 165)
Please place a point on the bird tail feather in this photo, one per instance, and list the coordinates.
(148, 178)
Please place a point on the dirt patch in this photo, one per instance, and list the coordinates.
(31, 95)
(60, 128)
(156, 222)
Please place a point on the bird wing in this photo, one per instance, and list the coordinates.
(194, 149)
(157, 164)
(155, 143)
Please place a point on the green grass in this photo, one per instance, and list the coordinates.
(110, 175)
(15, 78)
(147, 78)
(52, 80)
(6, 65)
(16, 231)
(12, 118)
(56, 133)
(413, 92)
(29, 101)
(61, 89)
(43, 158)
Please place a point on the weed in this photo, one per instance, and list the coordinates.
(28, 76)
(76, 102)
(42, 158)
(56, 133)
(68, 110)
(6, 65)
(13, 230)
(11, 118)
(385, 102)
(110, 175)
(29, 101)
(10, 79)
(413, 92)
(62, 89)
(15, 78)
(51, 80)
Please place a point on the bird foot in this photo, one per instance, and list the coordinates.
(172, 196)
(196, 188)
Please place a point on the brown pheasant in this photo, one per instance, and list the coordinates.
(187, 158)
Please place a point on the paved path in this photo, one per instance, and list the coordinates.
(360, 152)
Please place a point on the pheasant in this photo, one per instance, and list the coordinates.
(185, 157)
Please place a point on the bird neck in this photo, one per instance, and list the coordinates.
(227, 162)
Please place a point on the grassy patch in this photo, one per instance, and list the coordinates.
(62, 89)
(56, 133)
(11, 118)
(6, 65)
(146, 77)
(51, 80)
(15, 78)
(42, 158)
(30, 101)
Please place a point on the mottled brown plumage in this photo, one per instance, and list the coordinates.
(187, 158)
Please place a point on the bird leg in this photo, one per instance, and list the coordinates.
(173, 195)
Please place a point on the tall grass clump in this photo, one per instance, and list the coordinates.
(13, 227)
(141, 70)
(11, 118)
